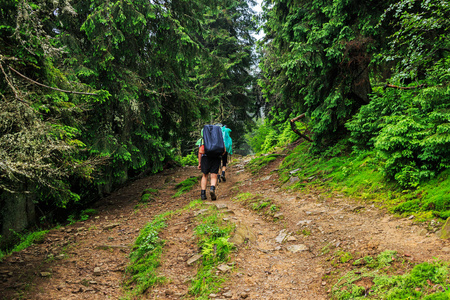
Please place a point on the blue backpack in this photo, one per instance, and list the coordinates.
(213, 140)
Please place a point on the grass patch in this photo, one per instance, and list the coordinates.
(82, 216)
(257, 203)
(145, 258)
(377, 278)
(148, 195)
(213, 234)
(258, 163)
(25, 240)
(186, 185)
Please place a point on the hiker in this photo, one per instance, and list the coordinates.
(228, 147)
(211, 147)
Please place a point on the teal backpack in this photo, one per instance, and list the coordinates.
(227, 139)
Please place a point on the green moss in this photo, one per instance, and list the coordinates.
(258, 163)
(186, 185)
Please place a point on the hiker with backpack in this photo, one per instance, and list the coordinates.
(228, 147)
(211, 148)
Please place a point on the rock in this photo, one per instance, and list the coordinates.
(293, 180)
(278, 215)
(303, 222)
(193, 259)
(200, 212)
(242, 234)
(297, 248)
(221, 206)
(110, 226)
(46, 274)
(224, 268)
(445, 231)
(213, 295)
(291, 238)
(228, 295)
(294, 171)
(281, 236)
(97, 271)
(423, 232)
(244, 295)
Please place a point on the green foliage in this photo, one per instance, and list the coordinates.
(189, 160)
(146, 255)
(25, 240)
(213, 234)
(81, 216)
(186, 185)
(316, 59)
(258, 163)
(266, 136)
(416, 283)
(148, 195)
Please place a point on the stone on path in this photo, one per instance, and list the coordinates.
(281, 236)
(193, 259)
(297, 248)
(241, 235)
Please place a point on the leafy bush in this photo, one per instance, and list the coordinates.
(267, 136)
(189, 160)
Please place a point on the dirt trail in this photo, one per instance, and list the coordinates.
(280, 258)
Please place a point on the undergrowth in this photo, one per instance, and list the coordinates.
(25, 241)
(186, 185)
(258, 163)
(258, 203)
(213, 234)
(145, 258)
(378, 278)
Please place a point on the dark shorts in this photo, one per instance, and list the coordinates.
(225, 159)
(210, 164)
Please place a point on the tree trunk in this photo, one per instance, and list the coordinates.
(17, 213)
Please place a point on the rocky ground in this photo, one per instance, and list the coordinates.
(278, 256)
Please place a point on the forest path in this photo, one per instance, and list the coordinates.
(286, 253)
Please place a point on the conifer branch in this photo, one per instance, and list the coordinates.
(49, 87)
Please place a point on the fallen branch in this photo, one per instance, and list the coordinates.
(420, 86)
(49, 87)
(294, 128)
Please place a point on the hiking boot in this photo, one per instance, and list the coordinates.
(212, 193)
(203, 195)
(218, 178)
(222, 177)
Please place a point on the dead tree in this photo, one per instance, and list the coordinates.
(294, 128)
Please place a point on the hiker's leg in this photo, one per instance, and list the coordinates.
(224, 166)
(215, 165)
(204, 181)
(213, 179)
